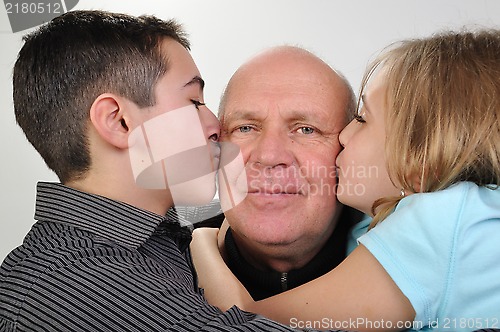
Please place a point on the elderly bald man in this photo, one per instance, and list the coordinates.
(285, 108)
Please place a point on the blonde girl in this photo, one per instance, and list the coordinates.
(429, 123)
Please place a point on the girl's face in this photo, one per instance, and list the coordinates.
(362, 170)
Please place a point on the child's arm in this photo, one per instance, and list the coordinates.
(359, 290)
(222, 289)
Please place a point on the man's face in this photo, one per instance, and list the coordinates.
(286, 118)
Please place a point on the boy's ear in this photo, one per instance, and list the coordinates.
(109, 118)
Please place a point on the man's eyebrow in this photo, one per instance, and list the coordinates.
(241, 115)
(196, 80)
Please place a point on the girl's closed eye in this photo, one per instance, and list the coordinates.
(359, 118)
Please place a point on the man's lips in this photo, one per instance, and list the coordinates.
(275, 190)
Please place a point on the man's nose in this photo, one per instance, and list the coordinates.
(272, 148)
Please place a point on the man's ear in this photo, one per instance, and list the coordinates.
(109, 118)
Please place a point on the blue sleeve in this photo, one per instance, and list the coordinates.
(356, 232)
(441, 249)
(415, 245)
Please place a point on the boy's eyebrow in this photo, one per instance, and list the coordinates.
(196, 80)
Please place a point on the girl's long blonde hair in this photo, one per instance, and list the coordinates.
(443, 112)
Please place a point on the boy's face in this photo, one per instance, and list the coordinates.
(175, 146)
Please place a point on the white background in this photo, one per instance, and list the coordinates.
(223, 34)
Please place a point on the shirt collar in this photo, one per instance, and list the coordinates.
(262, 284)
(114, 220)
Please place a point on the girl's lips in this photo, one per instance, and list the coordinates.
(338, 160)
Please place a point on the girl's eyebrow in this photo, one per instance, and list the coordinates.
(363, 99)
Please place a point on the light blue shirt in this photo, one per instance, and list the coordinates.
(442, 249)
(355, 233)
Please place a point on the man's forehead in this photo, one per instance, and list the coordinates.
(295, 98)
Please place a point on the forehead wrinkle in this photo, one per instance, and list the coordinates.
(295, 114)
(307, 114)
(243, 114)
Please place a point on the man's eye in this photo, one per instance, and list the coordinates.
(306, 130)
(197, 103)
(244, 129)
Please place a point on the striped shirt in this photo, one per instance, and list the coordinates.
(93, 264)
